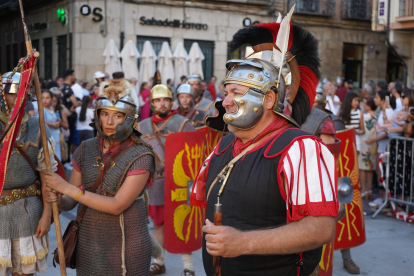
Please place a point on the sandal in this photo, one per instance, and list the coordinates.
(156, 269)
(188, 272)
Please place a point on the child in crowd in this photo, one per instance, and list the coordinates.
(396, 125)
(52, 120)
(367, 156)
(352, 116)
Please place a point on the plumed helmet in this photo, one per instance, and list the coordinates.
(157, 92)
(302, 58)
(115, 96)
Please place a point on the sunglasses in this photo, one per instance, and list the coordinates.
(403, 97)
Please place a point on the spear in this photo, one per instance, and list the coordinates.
(42, 125)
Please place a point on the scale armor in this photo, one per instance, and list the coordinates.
(21, 218)
(99, 247)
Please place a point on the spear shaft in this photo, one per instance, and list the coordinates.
(42, 125)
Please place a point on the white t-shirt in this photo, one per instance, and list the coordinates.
(382, 144)
(77, 90)
(331, 106)
(89, 116)
(398, 106)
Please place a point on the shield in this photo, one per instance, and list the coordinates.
(212, 137)
(350, 230)
(326, 262)
(184, 155)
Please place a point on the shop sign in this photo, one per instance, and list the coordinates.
(86, 10)
(175, 23)
(35, 27)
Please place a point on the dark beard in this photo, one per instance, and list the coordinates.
(163, 114)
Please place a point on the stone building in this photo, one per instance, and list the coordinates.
(401, 36)
(348, 46)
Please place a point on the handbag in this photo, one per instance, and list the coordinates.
(70, 237)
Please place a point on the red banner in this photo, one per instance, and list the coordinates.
(16, 117)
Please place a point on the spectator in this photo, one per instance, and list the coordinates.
(382, 100)
(369, 90)
(170, 85)
(382, 85)
(349, 84)
(60, 81)
(95, 95)
(396, 125)
(412, 84)
(211, 86)
(62, 112)
(407, 97)
(352, 116)
(85, 117)
(52, 120)
(99, 77)
(85, 88)
(396, 96)
(144, 93)
(333, 103)
(183, 80)
(367, 154)
(77, 90)
(69, 100)
(220, 94)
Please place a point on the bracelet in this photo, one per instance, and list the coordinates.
(78, 195)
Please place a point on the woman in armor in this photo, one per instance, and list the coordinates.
(113, 236)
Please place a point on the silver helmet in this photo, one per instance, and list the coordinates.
(10, 83)
(185, 89)
(115, 95)
(259, 76)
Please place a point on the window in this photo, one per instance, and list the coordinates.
(314, 7)
(352, 63)
(62, 54)
(402, 8)
(239, 53)
(47, 44)
(207, 47)
(155, 41)
(357, 9)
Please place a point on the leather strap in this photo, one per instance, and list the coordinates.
(102, 172)
(157, 135)
(8, 192)
(234, 160)
(18, 148)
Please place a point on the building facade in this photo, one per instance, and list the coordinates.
(348, 46)
(400, 37)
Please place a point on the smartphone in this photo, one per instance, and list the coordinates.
(387, 99)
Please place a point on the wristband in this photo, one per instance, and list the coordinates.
(78, 195)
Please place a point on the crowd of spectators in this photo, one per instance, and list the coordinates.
(378, 112)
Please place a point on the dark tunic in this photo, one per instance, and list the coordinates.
(252, 200)
(99, 246)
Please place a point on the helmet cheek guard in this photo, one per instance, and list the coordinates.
(249, 110)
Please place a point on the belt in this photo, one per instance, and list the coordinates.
(13, 195)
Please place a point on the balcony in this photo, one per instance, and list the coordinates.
(356, 9)
(325, 8)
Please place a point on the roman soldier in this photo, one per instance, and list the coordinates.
(25, 219)
(270, 184)
(202, 98)
(186, 108)
(155, 131)
(324, 124)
